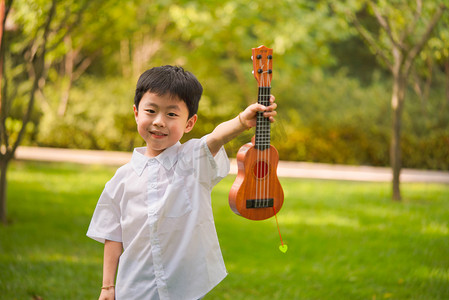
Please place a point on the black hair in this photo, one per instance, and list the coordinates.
(173, 80)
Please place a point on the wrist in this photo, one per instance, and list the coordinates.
(107, 287)
(246, 127)
(108, 282)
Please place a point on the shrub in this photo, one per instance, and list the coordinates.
(328, 119)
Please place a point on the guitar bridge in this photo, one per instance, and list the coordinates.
(259, 203)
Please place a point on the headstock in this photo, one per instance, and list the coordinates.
(263, 65)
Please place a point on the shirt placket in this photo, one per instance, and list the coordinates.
(156, 250)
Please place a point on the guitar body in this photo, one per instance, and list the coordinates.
(256, 193)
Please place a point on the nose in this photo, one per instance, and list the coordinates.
(159, 120)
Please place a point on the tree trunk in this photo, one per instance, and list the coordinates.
(397, 102)
(3, 158)
(2, 19)
(3, 168)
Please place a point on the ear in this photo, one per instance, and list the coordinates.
(136, 112)
(190, 123)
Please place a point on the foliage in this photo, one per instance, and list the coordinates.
(333, 97)
(345, 240)
(33, 43)
(345, 122)
(99, 116)
(399, 34)
(349, 123)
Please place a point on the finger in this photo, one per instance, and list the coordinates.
(270, 113)
(272, 107)
(253, 108)
(260, 107)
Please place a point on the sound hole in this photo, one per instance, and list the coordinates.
(260, 169)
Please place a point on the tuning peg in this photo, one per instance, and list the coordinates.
(252, 57)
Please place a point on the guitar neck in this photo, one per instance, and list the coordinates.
(263, 126)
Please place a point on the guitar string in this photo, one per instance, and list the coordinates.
(258, 128)
(265, 128)
(263, 133)
(262, 168)
(264, 153)
(265, 150)
(266, 136)
(258, 142)
(268, 132)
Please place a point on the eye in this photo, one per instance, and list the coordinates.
(172, 114)
(150, 111)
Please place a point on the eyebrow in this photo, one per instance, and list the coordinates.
(173, 106)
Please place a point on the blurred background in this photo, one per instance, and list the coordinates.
(82, 60)
(349, 77)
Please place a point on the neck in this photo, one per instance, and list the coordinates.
(263, 132)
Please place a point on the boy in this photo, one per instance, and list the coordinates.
(155, 214)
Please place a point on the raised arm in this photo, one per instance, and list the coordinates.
(229, 130)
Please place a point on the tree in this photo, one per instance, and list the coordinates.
(398, 34)
(26, 54)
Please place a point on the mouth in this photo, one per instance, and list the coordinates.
(158, 134)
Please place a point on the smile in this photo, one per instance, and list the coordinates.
(158, 134)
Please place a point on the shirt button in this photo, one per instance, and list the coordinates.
(153, 185)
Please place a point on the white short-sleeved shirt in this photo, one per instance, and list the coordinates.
(160, 209)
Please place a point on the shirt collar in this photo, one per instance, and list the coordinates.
(167, 158)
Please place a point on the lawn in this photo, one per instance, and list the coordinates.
(346, 240)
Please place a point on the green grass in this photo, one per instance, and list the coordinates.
(346, 240)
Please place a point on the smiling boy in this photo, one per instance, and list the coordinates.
(155, 215)
(162, 121)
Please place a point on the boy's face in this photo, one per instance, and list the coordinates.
(162, 121)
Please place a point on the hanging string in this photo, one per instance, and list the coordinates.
(283, 247)
(267, 138)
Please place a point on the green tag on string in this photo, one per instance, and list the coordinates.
(283, 248)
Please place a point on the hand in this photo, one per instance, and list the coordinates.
(249, 116)
(229, 130)
(107, 294)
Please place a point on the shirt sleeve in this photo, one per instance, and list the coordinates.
(208, 169)
(219, 164)
(105, 223)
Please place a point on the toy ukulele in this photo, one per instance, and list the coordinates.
(256, 193)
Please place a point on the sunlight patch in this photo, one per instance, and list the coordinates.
(440, 274)
(61, 258)
(322, 219)
(435, 228)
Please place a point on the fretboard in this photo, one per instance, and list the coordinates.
(263, 134)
